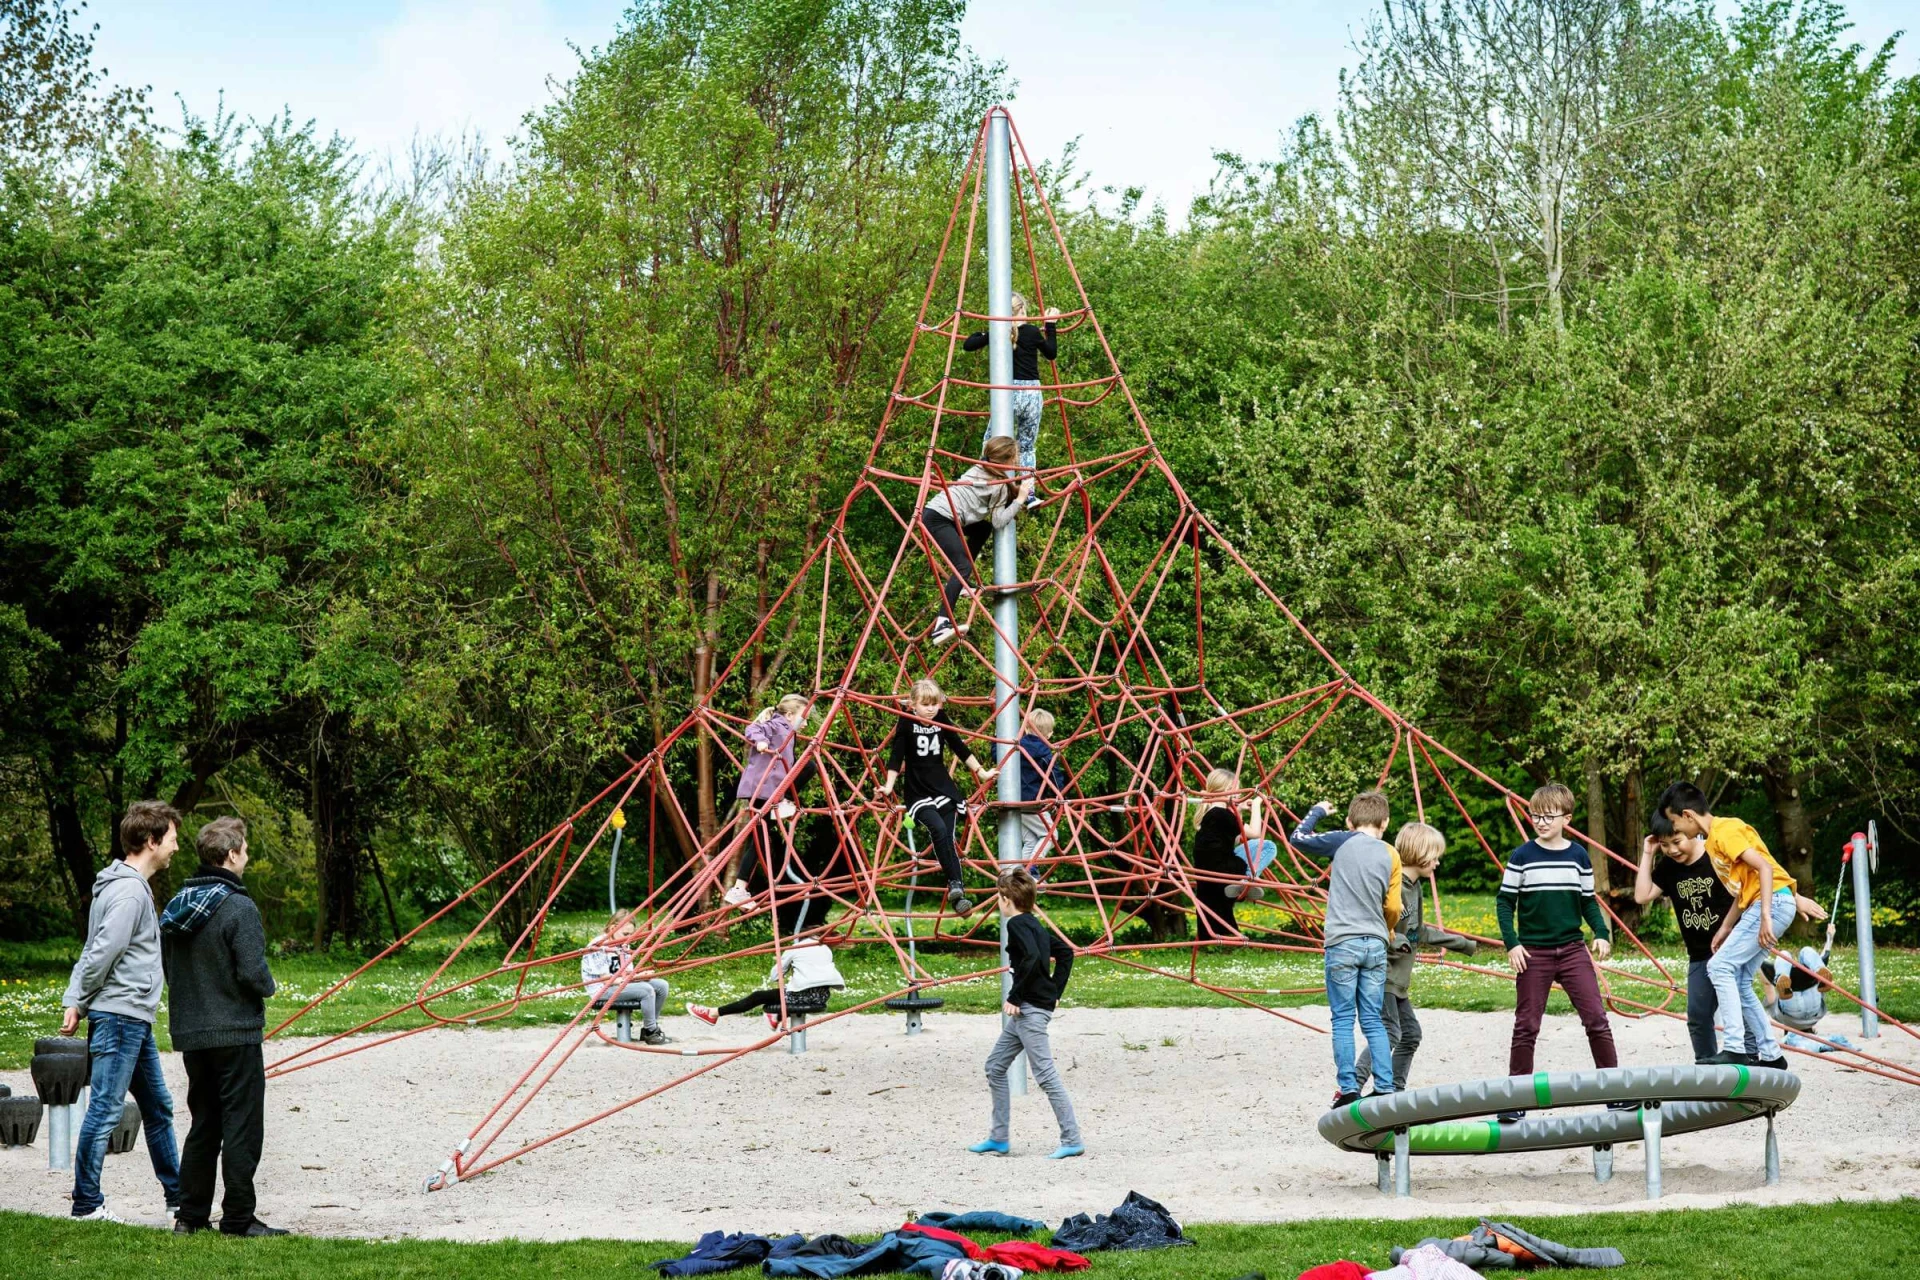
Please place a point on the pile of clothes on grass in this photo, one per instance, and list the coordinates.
(1491, 1246)
(934, 1245)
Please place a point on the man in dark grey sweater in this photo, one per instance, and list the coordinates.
(215, 952)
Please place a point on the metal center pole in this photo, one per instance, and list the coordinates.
(1863, 923)
(1006, 544)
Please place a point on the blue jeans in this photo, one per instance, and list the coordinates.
(1743, 1019)
(1357, 981)
(125, 1056)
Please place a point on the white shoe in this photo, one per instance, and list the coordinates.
(738, 897)
(943, 631)
(100, 1215)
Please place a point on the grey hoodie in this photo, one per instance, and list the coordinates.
(119, 968)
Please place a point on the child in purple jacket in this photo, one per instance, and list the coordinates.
(769, 761)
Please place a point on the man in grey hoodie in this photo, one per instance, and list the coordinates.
(215, 951)
(116, 985)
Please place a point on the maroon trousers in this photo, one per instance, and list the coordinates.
(1568, 965)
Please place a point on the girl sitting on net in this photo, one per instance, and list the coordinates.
(809, 980)
(769, 761)
(959, 517)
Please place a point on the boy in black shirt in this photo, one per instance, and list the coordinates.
(1040, 964)
(919, 745)
(1685, 876)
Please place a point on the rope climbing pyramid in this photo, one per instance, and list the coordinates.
(1104, 599)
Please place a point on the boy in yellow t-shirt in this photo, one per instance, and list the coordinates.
(1763, 908)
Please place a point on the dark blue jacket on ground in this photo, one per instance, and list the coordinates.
(907, 1251)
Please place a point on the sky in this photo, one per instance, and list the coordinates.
(1150, 88)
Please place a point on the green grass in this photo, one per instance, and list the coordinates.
(1800, 1242)
(33, 976)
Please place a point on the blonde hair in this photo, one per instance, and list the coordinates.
(1222, 780)
(1018, 303)
(1551, 797)
(791, 704)
(1000, 451)
(925, 690)
(1419, 846)
(1042, 720)
(1368, 809)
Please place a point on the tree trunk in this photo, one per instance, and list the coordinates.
(1596, 827)
(336, 839)
(76, 856)
(1786, 791)
(703, 660)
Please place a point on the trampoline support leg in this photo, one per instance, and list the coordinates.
(1402, 1164)
(1650, 1134)
(1773, 1154)
(1383, 1172)
(1603, 1162)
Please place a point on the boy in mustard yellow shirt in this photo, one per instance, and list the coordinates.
(1763, 908)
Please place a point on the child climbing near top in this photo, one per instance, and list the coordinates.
(1039, 964)
(806, 973)
(1763, 908)
(1363, 906)
(1419, 847)
(1042, 779)
(1545, 894)
(1030, 342)
(958, 518)
(601, 964)
(920, 741)
(1216, 853)
(769, 761)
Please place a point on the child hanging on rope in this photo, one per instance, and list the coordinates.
(769, 761)
(960, 515)
(606, 958)
(1043, 780)
(805, 972)
(1030, 342)
(1545, 893)
(1419, 847)
(1039, 963)
(920, 741)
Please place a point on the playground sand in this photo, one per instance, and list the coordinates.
(1210, 1111)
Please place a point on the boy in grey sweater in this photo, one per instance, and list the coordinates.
(116, 986)
(1363, 904)
(217, 986)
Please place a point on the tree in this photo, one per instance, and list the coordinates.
(52, 99)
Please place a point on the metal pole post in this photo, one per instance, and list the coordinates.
(1863, 925)
(1402, 1164)
(1383, 1172)
(1603, 1162)
(60, 1138)
(613, 863)
(1650, 1134)
(1006, 543)
(1773, 1154)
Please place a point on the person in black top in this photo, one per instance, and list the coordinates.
(1683, 874)
(1030, 342)
(918, 753)
(1215, 855)
(1039, 962)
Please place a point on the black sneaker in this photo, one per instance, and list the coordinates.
(957, 900)
(654, 1036)
(181, 1227)
(1775, 1064)
(1511, 1117)
(1731, 1058)
(256, 1229)
(1345, 1099)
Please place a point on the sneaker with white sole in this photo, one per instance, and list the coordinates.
(738, 896)
(100, 1215)
(707, 1015)
(654, 1036)
(943, 631)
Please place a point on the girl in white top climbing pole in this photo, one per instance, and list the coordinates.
(920, 742)
(769, 761)
(961, 514)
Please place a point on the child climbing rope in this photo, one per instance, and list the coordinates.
(1030, 342)
(920, 741)
(961, 514)
(769, 761)
(806, 973)
(1040, 963)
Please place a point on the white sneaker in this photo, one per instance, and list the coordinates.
(738, 897)
(99, 1215)
(943, 631)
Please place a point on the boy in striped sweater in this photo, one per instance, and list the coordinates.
(1546, 893)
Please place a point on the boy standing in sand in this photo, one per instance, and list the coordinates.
(1040, 963)
(1363, 905)
(1545, 894)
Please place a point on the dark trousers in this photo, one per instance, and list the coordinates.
(936, 823)
(1570, 966)
(959, 553)
(227, 1094)
(1403, 1033)
(812, 1000)
(1702, 1004)
(1214, 916)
